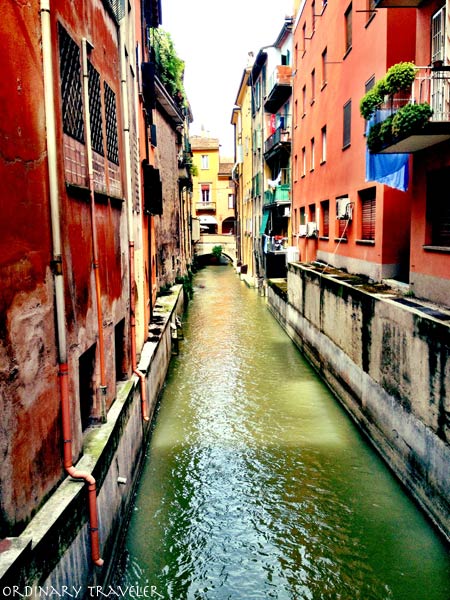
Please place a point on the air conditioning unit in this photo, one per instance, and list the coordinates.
(343, 209)
(311, 229)
(302, 231)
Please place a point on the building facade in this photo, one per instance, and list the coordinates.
(94, 226)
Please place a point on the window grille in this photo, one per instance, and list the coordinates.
(71, 93)
(438, 35)
(117, 7)
(95, 108)
(112, 146)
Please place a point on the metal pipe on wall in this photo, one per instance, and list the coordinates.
(63, 374)
(129, 202)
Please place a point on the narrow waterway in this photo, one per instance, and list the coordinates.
(257, 484)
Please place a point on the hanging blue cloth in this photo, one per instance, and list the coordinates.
(390, 169)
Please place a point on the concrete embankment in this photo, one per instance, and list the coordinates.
(53, 552)
(387, 359)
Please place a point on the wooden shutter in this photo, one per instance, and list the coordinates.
(368, 205)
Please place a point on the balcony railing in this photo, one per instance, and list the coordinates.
(282, 136)
(431, 86)
(211, 206)
(281, 194)
(280, 88)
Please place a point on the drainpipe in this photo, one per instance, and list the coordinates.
(59, 281)
(129, 201)
(95, 261)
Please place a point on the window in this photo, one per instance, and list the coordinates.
(304, 100)
(348, 28)
(231, 201)
(324, 67)
(112, 146)
(312, 213)
(86, 386)
(438, 35)
(71, 93)
(347, 124)
(325, 225)
(313, 16)
(323, 156)
(95, 109)
(312, 158)
(205, 161)
(438, 208)
(304, 36)
(204, 192)
(313, 85)
(296, 168)
(302, 216)
(303, 161)
(368, 206)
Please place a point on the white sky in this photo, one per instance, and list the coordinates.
(214, 39)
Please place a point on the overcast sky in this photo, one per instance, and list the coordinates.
(214, 39)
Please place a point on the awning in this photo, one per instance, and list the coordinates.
(265, 218)
(208, 219)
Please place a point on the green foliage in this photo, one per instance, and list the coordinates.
(370, 102)
(400, 77)
(217, 251)
(169, 66)
(407, 120)
(187, 284)
(410, 118)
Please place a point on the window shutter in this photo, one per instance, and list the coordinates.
(368, 218)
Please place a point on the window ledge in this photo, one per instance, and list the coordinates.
(365, 242)
(346, 146)
(443, 249)
(341, 240)
(370, 19)
(347, 52)
(324, 238)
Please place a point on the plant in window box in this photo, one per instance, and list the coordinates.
(400, 77)
(370, 103)
(410, 119)
(380, 135)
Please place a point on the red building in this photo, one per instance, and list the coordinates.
(88, 200)
(339, 216)
(430, 148)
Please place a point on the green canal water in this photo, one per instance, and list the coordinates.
(257, 485)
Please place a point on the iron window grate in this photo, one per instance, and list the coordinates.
(112, 146)
(117, 7)
(95, 109)
(71, 93)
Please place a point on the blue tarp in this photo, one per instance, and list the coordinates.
(390, 169)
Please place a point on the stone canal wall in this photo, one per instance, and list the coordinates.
(54, 549)
(388, 362)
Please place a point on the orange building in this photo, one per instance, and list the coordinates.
(340, 217)
(430, 147)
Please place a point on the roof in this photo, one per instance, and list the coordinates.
(199, 142)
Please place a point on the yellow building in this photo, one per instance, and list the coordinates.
(242, 174)
(213, 194)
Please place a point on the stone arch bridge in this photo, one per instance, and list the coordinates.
(207, 241)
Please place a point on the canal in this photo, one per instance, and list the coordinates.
(257, 484)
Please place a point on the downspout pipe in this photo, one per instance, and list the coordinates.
(63, 374)
(95, 258)
(129, 201)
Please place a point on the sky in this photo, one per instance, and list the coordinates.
(214, 39)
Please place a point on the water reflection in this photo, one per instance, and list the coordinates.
(257, 484)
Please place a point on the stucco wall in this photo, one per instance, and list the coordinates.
(390, 367)
(54, 549)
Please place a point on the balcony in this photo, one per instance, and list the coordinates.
(280, 88)
(430, 87)
(280, 140)
(205, 206)
(280, 195)
(397, 3)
